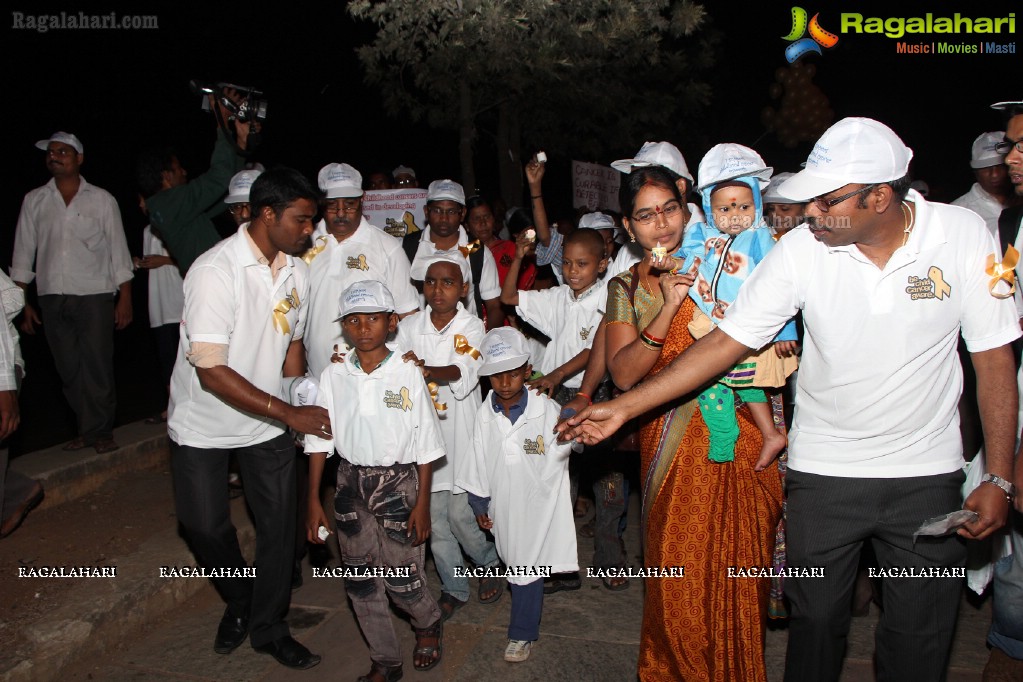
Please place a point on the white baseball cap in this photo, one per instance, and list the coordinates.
(859, 150)
(367, 296)
(729, 161)
(1002, 106)
(340, 181)
(65, 138)
(458, 260)
(656, 154)
(402, 170)
(503, 348)
(445, 190)
(597, 221)
(238, 188)
(983, 154)
(772, 196)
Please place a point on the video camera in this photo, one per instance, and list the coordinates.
(251, 108)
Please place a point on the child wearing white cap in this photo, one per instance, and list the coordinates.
(722, 252)
(388, 439)
(517, 480)
(443, 341)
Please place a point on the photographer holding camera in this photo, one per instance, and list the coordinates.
(180, 210)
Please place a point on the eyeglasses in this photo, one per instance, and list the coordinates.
(667, 210)
(824, 205)
(1007, 145)
(404, 182)
(237, 209)
(450, 212)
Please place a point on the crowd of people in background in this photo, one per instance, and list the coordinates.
(487, 378)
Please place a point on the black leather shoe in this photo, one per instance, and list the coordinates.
(230, 633)
(290, 653)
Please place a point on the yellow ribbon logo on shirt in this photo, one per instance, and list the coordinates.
(434, 389)
(534, 447)
(317, 248)
(400, 400)
(941, 287)
(462, 347)
(1003, 272)
(470, 249)
(291, 302)
(357, 263)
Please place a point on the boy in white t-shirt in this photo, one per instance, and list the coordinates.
(517, 480)
(442, 341)
(385, 429)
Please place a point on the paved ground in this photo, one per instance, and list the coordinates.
(162, 630)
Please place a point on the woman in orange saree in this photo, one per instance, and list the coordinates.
(716, 520)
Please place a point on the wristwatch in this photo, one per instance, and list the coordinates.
(1008, 488)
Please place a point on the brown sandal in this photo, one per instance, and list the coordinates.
(435, 651)
(448, 605)
(77, 443)
(382, 673)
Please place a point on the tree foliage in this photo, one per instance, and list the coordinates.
(590, 76)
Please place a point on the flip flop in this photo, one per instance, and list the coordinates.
(490, 584)
(77, 443)
(616, 588)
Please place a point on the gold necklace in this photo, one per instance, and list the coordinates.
(910, 221)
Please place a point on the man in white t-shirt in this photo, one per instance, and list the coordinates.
(886, 281)
(348, 249)
(990, 194)
(242, 326)
(445, 211)
(1006, 635)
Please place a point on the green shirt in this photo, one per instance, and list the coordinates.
(182, 215)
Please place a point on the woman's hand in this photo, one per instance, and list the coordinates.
(675, 288)
(524, 246)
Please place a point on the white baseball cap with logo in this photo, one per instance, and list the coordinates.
(729, 161)
(596, 221)
(340, 181)
(238, 188)
(984, 154)
(503, 348)
(854, 150)
(64, 138)
(656, 154)
(1002, 106)
(445, 190)
(367, 296)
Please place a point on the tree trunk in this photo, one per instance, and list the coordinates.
(466, 133)
(509, 154)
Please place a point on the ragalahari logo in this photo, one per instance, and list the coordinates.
(818, 36)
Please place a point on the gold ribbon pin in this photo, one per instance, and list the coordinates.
(470, 249)
(539, 446)
(462, 347)
(281, 311)
(317, 248)
(433, 388)
(406, 402)
(1003, 272)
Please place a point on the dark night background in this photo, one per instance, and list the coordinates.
(122, 90)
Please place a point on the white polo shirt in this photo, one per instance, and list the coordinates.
(370, 253)
(984, 205)
(569, 322)
(382, 418)
(231, 298)
(490, 283)
(437, 348)
(879, 379)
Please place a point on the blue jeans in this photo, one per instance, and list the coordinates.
(1007, 622)
(454, 528)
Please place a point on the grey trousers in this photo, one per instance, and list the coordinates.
(15, 487)
(80, 332)
(371, 508)
(829, 518)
